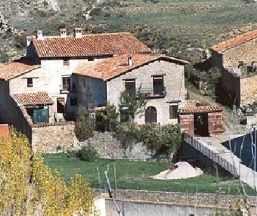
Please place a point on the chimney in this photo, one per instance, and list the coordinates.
(63, 33)
(130, 61)
(78, 32)
(40, 35)
(29, 39)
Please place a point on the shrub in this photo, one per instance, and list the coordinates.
(163, 139)
(84, 126)
(88, 153)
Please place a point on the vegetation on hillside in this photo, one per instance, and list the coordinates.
(172, 27)
(29, 187)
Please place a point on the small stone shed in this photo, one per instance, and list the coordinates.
(201, 120)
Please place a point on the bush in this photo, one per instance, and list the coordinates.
(163, 139)
(84, 127)
(88, 153)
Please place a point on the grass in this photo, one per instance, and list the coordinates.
(136, 175)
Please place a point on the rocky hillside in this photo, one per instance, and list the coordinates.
(174, 27)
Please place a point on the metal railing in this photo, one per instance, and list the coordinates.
(215, 157)
(151, 92)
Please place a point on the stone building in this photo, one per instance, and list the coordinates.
(160, 78)
(236, 58)
(38, 89)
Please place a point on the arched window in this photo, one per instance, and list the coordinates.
(151, 115)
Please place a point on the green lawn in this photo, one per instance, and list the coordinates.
(135, 175)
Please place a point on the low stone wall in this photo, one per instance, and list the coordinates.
(54, 138)
(202, 200)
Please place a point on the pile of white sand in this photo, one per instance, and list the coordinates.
(180, 170)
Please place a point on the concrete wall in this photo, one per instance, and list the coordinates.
(173, 81)
(130, 208)
(54, 138)
(136, 202)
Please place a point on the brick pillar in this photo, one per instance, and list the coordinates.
(4, 129)
(215, 123)
(186, 122)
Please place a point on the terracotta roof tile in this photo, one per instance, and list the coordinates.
(38, 98)
(233, 42)
(199, 109)
(89, 45)
(16, 68)
(115, 66)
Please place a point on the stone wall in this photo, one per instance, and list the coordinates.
(230, 89)
(245, 52)
(54, 138)
(186, 123)
(199, 200)
(248, 90)
(215, 123)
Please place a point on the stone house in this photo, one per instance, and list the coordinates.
(236, 58)
(38, 89)
(159, 77)
(58, 56)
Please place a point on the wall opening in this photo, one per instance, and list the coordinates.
(151, 115)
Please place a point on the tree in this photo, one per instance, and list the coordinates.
(84, 126)
(28, 187)
(132, 104)
(110, 117)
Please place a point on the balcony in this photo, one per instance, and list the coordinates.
(158, 92)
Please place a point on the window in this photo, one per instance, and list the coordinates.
(130, 86)
(66, 83)
(66, 62)
(173, 110)
(29, 82)
(158, 85)
(73, 101)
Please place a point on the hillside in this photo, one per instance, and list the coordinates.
(171, 26)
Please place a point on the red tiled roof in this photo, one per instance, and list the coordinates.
(115, 66)
(38, 98)
(89, 45)
(16, 68)
(199, 109)
(233, 42)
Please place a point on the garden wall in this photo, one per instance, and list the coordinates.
(54, 138)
